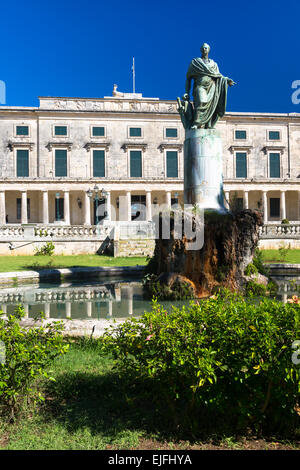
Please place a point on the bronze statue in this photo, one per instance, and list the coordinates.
(209, 93)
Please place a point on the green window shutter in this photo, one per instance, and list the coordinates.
(274, 135)
(98, 163)
(60, 162)
(241, 165)
(274, 207)
(172, 164)
(136, 164)
(274, 165)
(98, 131)
(242, 135)
(135, 132)
(22, 163)
(22, 130)
(60, 130)
(171, 132)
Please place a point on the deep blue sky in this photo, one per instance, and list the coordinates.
(81, 48)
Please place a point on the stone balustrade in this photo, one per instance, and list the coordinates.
(37, 233)
(273, 231)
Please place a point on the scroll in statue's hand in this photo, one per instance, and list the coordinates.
(230, 82)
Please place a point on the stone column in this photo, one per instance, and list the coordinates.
(108, 205)
(282, 205)
(148, 206)
(24, 219)
(2, 208)
(67, 207)
(45, 208)
(265, 206)
(68, 310)
(128, 195)
(246, 200)
(87, 209)
(168, 199)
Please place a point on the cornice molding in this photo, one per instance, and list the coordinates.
(50, 145)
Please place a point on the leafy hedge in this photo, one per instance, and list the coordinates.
(222, 358)
(25, 354)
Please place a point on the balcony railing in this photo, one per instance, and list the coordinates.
(280, 231)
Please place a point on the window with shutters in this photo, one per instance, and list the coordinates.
(241, 165)
(172, 164)
(135, 132)
(98, 131)
(240, 135)
(22, 131)
(274, 162)
(274, 135)
(98, 163)
(135, 163)
(22, 163)
(171, 132)
(60, 162)
(60, 131)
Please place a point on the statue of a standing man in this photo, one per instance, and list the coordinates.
(209, 90)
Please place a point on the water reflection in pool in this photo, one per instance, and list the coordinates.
(107, 300)
(116, 299)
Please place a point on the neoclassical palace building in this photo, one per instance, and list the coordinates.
(61, 160)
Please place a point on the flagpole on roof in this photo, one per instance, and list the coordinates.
(133, 75)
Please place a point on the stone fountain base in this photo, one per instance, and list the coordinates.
(229, 244)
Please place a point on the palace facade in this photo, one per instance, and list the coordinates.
(62, 160)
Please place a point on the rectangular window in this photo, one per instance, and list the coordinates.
(136, 164)
(240, 135)
(170, 132)
(98, 132)
(241, 165)
(172, 164)
(22, 130)
(98, 163)
(274, 135)
(135, 132)
(274, 159)
(60, 162)
(22, 163)
(60, 130)
(59, 208)
(19, 208)
(274, 207)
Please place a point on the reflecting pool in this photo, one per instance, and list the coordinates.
(116, 299)
(78, 301)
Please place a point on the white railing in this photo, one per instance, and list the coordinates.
(280, 231)
(9, 233)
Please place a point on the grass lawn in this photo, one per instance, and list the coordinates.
(273, 256)
(90, 407)
(21, 263)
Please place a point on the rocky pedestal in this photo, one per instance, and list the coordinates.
(229, 244)
(203, 179)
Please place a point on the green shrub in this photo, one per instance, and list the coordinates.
(285, 221)
(258, 262)
(28, 351)
(251, 269)
(216, 361)
(254, 289)
(45, 250)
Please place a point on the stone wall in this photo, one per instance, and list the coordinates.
(134, 247)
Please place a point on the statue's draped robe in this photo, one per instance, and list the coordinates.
(209, 92)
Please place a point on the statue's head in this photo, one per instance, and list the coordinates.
(205, 48)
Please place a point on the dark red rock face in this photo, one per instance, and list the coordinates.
(229, 244)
